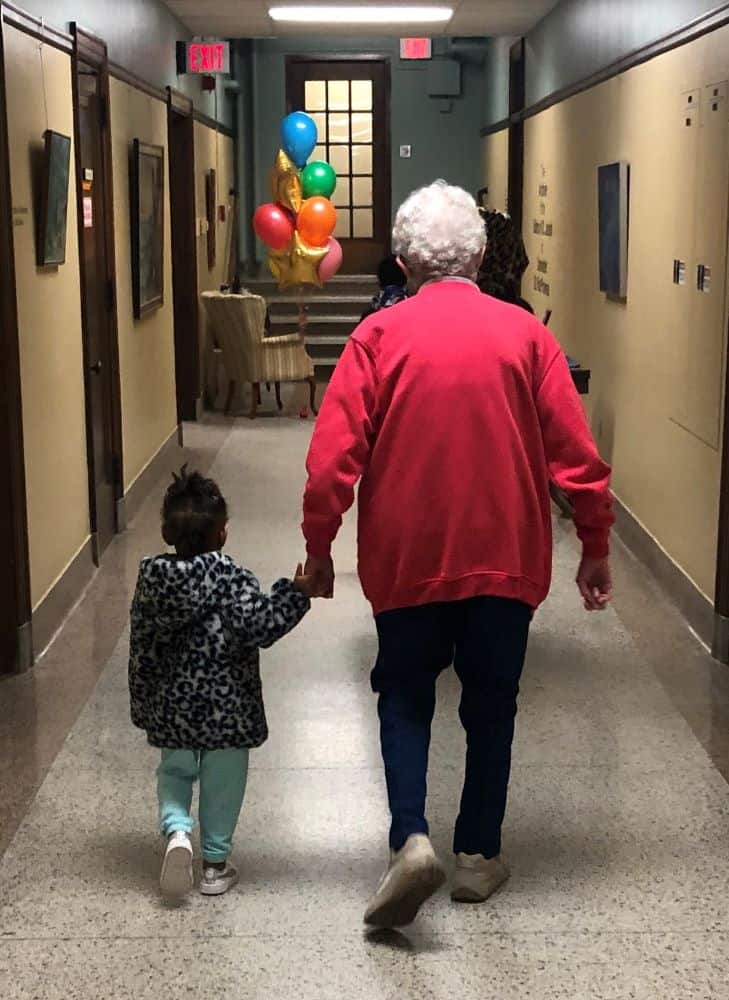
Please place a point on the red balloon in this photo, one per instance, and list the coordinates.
(316, 221)
(273, 225)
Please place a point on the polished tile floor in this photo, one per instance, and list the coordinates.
(618, 828)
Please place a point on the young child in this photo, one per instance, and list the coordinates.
(393, 286)
(198, 621)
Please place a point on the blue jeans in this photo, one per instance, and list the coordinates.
(486, 639)
(222, 775)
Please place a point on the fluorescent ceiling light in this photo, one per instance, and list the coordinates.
(364, 14)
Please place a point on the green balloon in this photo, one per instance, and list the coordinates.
(318, 180)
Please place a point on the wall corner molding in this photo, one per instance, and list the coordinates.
(54, 608)
(167, 459)
(695, 606)
(495, 127)
(690, 32)
(37, 27)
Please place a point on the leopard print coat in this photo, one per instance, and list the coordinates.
(196, 628)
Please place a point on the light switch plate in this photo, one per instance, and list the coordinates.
(406, 152)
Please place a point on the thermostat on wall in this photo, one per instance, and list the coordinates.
(406, 152)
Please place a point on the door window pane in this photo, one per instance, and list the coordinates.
(341, 192)
(320, 121)
(361, 128)
(363, 227)
(361, 95)
(320, 153)
(338, 128)
(339, 159)
(361, 159)
(362, 191)
(339, 95)
(343, 229)
(315, 95)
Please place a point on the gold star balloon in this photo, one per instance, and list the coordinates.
(297, 264)
(286, 183)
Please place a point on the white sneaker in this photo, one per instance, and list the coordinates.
(176, 876)
(477, 878)
(413, 875)
(216, 882)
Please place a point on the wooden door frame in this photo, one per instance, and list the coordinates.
(16, 642)
(187, 361)
(517, 98)
(720, 646)
(90, 49)
(339, 57)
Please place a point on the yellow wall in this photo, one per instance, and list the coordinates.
(213, 151)
(49, 308)
(495, 172)
(657, 359)
(146, 347)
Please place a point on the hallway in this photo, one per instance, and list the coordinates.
(618, 828)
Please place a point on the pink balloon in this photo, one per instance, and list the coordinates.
(273, 225)
(333, 260)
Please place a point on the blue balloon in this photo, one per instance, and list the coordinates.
(298, 137)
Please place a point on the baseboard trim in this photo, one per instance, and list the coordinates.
(61, 598)
(691, 602)
(167, 459)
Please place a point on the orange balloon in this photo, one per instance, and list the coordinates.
(316, 221)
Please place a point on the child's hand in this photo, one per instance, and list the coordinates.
(306, 585)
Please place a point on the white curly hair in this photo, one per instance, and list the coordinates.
(439, 233)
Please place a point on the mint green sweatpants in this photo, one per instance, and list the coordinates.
(222, 775)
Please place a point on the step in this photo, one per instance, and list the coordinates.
(340, 285)
(315, 319)
(332, 341)
(319, 351)
(289, 311)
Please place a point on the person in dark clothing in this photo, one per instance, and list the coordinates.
(503, 267)
(393, 286)
(505, 260)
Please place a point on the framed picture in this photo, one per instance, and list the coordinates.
(613, 183)
(211, 196)
(147, 191)
(53, 215)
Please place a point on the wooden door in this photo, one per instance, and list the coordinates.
(350, 102)
(181, 128)
(101, 377)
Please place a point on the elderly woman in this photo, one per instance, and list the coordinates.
(453, 409)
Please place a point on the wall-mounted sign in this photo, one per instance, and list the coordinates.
(206, 58)
(416, 48)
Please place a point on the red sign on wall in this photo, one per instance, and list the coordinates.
(206, 58)
(416, 48)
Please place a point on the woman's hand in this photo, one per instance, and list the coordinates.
(595, 583)
(321, 574)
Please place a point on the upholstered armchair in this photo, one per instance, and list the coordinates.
(237, 323)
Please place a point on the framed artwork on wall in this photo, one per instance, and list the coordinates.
(613, 184)
(147, 190)
(53, 214)
(211, 196)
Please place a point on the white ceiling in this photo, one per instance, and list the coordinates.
(249, 18)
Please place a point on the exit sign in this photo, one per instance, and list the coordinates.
(416, 48)
(206, 58)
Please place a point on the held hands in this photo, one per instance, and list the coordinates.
(595, 583)
(316, 579)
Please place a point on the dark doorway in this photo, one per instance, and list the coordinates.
(16, 647)
(350, 101)
(96, 251)
(181, 127)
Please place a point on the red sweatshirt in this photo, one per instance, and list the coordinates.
(454, 409)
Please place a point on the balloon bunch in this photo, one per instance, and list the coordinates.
(297, 226)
